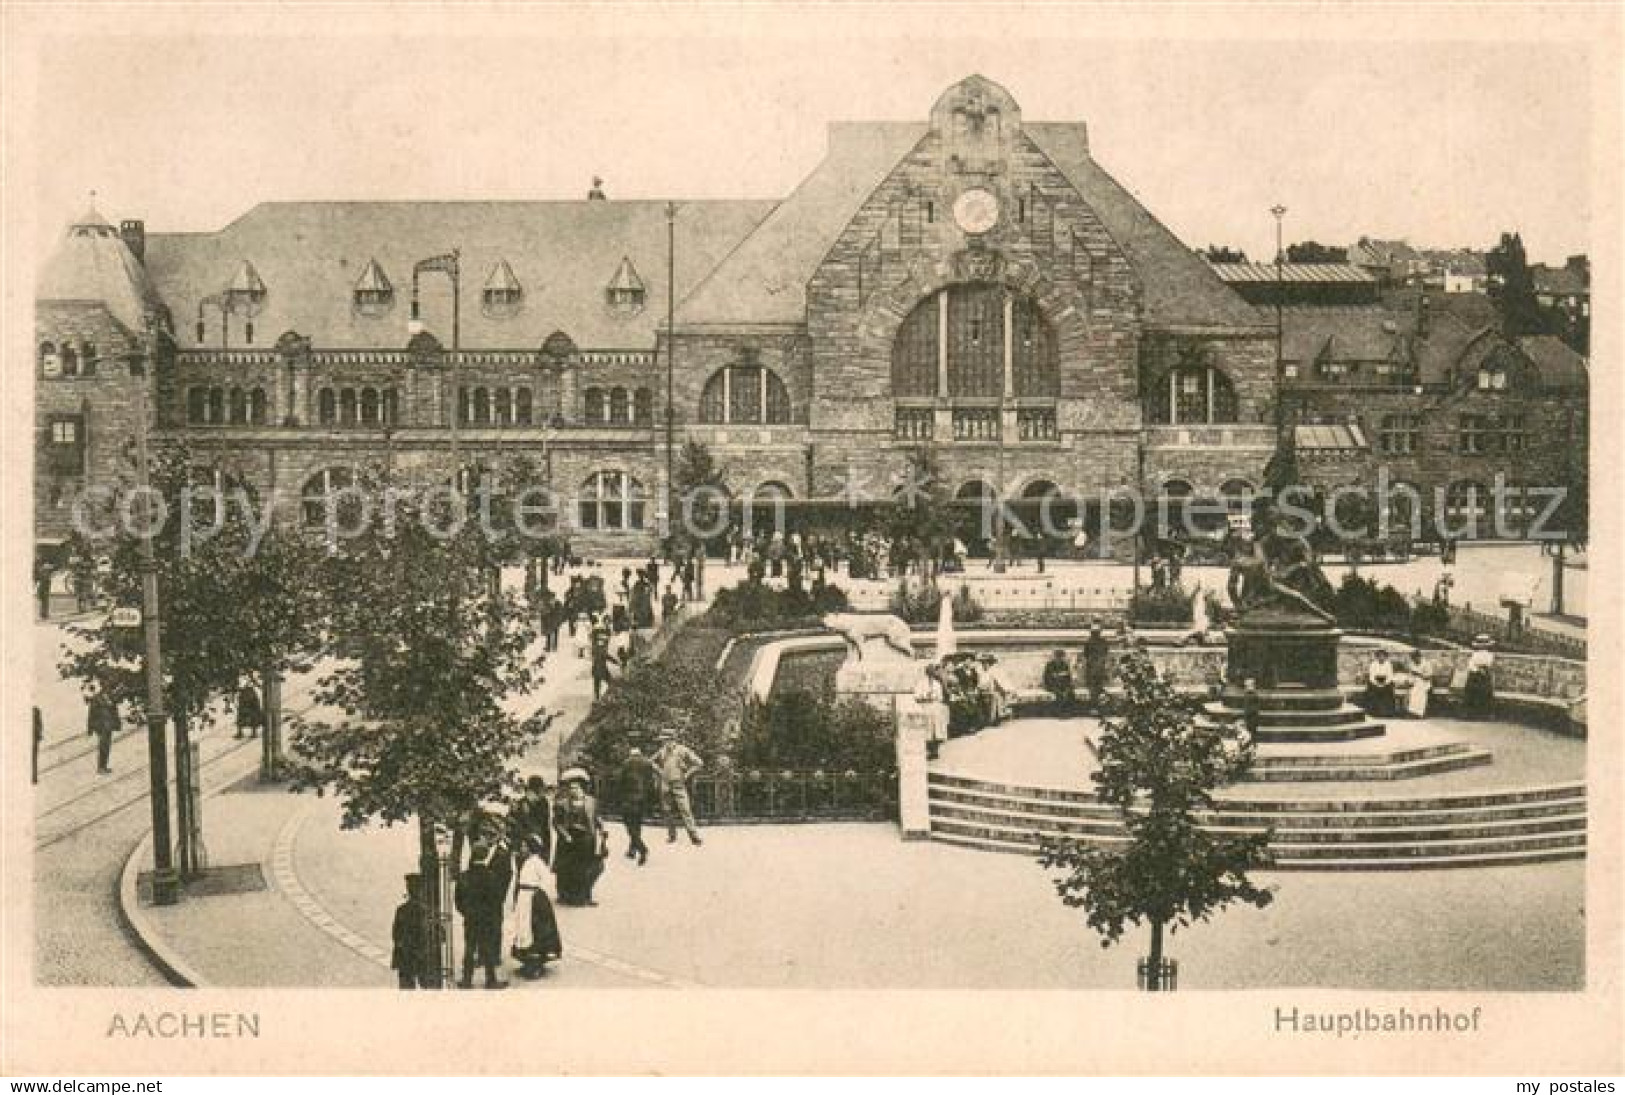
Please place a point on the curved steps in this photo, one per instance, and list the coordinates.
(1482, 829)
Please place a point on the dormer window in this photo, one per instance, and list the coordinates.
(1492, 378)
(625, 293)
(373, 295)
(503, 294)
(245, 296)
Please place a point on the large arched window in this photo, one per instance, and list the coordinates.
(256, 407)
(504, 406)
(70, 360)
(1192, 395)
(482, 407)
(523, 410)
(217, 406)
(326, 407)
(347, 407)
(197, 406)
(595, 409)
(314, 498)
(620, 407)
(391, 407)
(745, 395)
(239, 407)
(612, 500)
(369, 406)
(643, 407)
(958, 336)
(50, 364)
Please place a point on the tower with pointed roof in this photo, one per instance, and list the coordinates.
(100, 328)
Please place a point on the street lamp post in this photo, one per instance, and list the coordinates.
(165, 884)
(671, 349)
(449, 265)
(1279, 212)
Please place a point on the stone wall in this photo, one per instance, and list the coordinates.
(106, 405)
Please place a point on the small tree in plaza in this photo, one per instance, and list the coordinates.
(699, 498)
(919, 511)
(1159, 765)
(415, 722)
(234, 601)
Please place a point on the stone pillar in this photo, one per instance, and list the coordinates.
(913, 794)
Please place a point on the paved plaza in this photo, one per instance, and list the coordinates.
(782, 906)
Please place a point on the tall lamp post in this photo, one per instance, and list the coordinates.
(1279, 212)
(434, 867)
(449, 265)
(165, 884)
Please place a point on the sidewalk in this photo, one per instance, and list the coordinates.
(844, 906)
(316, 880)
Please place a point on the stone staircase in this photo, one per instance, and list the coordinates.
(1498, 828)
(1293, 767)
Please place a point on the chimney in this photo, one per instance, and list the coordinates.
(1422, 315)
(596, 194)
(134, 235)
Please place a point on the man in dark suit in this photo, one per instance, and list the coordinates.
(103, 722)
(636, 791)
(482, 890)
(407, 957)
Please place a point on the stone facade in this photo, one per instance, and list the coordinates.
(974, 198)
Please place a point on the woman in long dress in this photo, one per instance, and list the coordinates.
(536, 930)
(933, 701)
(1420, 671)
(577, 853)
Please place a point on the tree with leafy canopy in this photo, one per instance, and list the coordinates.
(1159, 765)
(1314, 251)
(1512, 288)
(700, 493)
(232, 603)
(413, 721)
(1220, 254)
(920, 511)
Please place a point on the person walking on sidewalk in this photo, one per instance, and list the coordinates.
(103, 722)
(600, 658)
(578, 857)
(482, 892)
(250, 712)
(676, 763)
(407, 936)
(636, 790)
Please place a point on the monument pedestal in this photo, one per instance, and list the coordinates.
(1283, 652)
(1292, 661)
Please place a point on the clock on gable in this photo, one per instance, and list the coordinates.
(976, 211)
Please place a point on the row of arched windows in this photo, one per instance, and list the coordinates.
(357, 407)
(67, 359)
(619, 407)
(496, 406)
(222, 406)
(610, 501)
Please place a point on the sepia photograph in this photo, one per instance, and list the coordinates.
(629, 507)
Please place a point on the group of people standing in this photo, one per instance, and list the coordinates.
(1061, 683)
(503, 882)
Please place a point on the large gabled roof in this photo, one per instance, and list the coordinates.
(1179, 288)
(1558, 365)
(92, 263)
(764, 280)
(311, 256)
